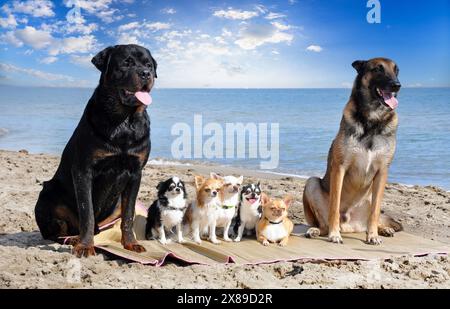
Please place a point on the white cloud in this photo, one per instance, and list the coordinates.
(42, 39)
(99, 8)
(292, 2)
(232, 69)
(235, 14)
(273, 15)
(48, 60)
(256, 35)
(36, 8)
(64, 28)
(157, 26)
(314, 48)
(109, 16)
(261, 9)
(8, 22)
(135, 32)
(174, 45)
(169, 11)
(211, 49)
(5, 67)
(125, 38)
(80, 28)
(69, 45)
(154, 26)
(169, 35)
(219, 40)
(10, 38)
(83, 61)
(89, 5)
(275, 52)
(280, 26)
(129, 26)
(226, 33)
(37, 39)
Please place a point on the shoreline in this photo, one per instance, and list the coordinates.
(28, 261)
(163, 161)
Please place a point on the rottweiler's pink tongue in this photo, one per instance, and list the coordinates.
(144, 97)
(390, 100)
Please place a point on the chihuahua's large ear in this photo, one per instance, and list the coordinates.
(264, 199)
(215, 176)
(155, 65)
(241, 179)
(102, 58)
(359, 65)
(199, 180)
(288, 200)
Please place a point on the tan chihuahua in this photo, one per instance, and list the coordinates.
(201, 215)
(274, 225)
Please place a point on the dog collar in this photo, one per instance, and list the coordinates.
(227, 206)
(174, 208)
(271, 222)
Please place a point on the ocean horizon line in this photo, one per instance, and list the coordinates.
(222, 88)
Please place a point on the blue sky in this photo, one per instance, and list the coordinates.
(289, 43)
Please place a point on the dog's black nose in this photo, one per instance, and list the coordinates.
(177, 189)
(395, 85)
(146, 74)
(214, 193)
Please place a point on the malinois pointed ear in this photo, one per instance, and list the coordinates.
(359, 65)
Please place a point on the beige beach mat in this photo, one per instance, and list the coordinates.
(249, 251)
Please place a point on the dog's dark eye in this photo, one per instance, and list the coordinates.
(207, 190)
(148, 65)
(396, 70)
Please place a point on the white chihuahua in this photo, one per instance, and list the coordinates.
(229, 195)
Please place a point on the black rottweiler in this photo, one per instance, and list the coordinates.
(101, 166)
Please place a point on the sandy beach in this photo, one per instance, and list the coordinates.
(28, 261)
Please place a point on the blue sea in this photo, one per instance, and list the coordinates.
(41, 120)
